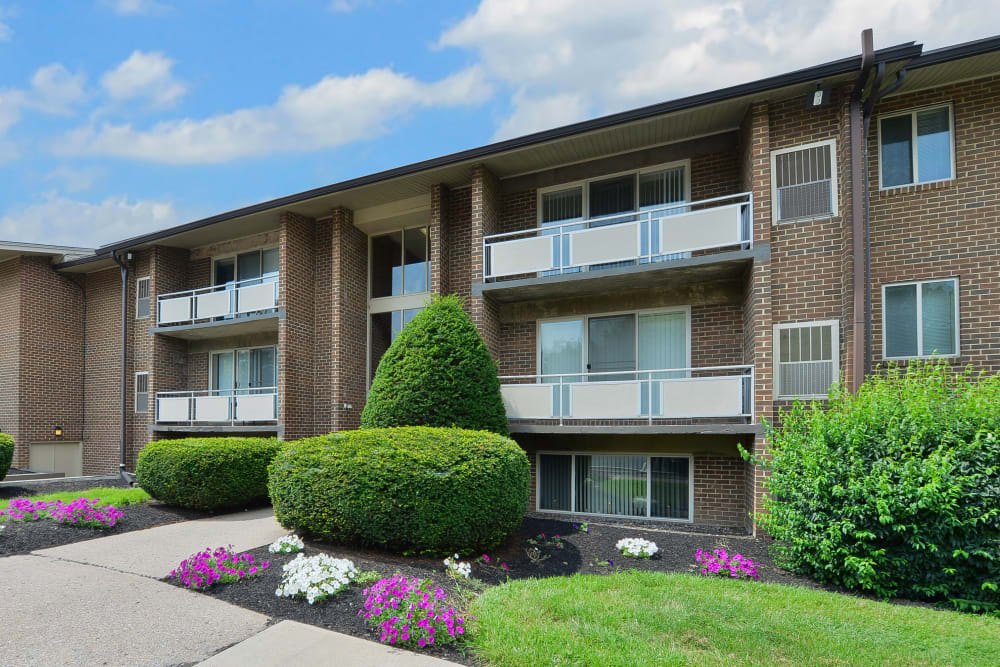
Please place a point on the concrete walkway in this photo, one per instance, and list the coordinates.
(100, 602)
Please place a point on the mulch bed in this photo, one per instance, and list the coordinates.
(573, 552)
(20, 537)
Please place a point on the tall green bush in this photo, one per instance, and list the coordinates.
(6, 454)
(207, 473)
(414, 489)
(437, 372)
(894, 490)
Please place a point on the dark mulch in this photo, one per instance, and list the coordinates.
(573, 552)
(21, 537)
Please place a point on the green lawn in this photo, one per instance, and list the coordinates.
(649, 618)
(108, 496)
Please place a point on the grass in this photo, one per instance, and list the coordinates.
(651, 618)
(117, 497)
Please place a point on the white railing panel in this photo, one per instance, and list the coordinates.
(528, 401)
(256, 297)
(173, 310)
(701, 397)
(255, 407)
(708, 228)
(604, 400)
(530, 255)
(211, 408)
(213, 304)
(601, 245)
(173, 409)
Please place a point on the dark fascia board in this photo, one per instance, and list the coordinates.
(956, 52)
(96, 257)
(906, 51)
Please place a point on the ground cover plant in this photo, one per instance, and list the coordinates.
(287, 544)
(115, 496)
(84, 512)
(216, 566)
(408, 489)
(315, 578)
(718, 562)
(636, 547)
(409, 611)
(895, 490)
(438, 372)
(652, 618)
(207, 473)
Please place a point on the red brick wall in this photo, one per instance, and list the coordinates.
(102, 359)
(719, 491)
(460, 242)
(10, 341)
(349, 323)
(296, 331)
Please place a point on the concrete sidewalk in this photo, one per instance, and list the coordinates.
(100, 602)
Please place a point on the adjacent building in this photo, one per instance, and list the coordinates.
(654, 285)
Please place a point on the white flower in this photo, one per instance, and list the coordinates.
(460, 569)
(316, 578)
(637, 547)
(288, 544)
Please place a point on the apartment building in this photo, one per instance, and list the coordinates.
(654, 285)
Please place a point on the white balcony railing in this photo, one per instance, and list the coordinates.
(208, 303)
(216, 406)
(655, 235)
(671, 393)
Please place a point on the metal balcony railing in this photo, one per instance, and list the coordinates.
(665, 233)
(667, 393)
(219, 301)
(217, 406)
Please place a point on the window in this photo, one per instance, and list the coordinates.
(142, 392)
(920, 319)
(244, 371)
(613, 348)
(255, 265)
(804, 182)
(399, 263)
(808, 358)
(916, 147)
(634, 485)
(385, 327)
(142, 298)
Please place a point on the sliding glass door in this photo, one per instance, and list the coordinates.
(612, 484)
(245, 371)
(259, 265)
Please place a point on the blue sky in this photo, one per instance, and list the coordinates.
(118, 117)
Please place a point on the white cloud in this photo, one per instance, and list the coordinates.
(601, 57)
(75, 179)
(63, 221)
(147, 76)
(136, 7)
(6, 32)
(347, 6)
(332, 112)
(11, 103)
(55, 90)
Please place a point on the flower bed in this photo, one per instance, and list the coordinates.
(316, 578)
(636, 547)
(219, 566)
(721, 563)
(80, 512)
(410, 612)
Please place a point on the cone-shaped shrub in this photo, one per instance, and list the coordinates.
(6, 453)
(437, 372)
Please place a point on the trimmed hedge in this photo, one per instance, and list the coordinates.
(207, 473)
(409, 489)
(437, 372)
(6, 453)
(895, 490)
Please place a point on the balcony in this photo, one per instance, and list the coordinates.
(720, 393)
(242, 407)
(695, 241)
(246, 306)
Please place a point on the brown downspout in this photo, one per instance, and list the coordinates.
(859, 354)
(124, 369)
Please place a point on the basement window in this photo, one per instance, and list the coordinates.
(804, 182)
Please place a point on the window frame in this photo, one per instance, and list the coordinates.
(149, 297)
(586, 332)
(913, 144)
(834, 349)
(572, 503)
(136, 392)
(834, 183)
(584, 184)
(236, 253)
(920, 319)
(233, 351)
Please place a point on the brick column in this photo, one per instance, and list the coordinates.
(349, 320)
(168, 362)
(485, 220)
(296, 333)
(757, 319)
(439, 232)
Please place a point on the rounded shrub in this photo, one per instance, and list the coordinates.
(437, 372)
(410, 489)
(207, 473)
(6, 454)
(894, 490)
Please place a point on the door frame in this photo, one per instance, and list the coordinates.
(233, 351)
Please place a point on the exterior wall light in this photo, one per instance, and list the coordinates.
(58, 431)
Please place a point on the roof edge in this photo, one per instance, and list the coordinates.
(956, 52)
(96, 257)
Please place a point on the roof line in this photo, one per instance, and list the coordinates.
(956, 52)
(96, 257)
(903, 51)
